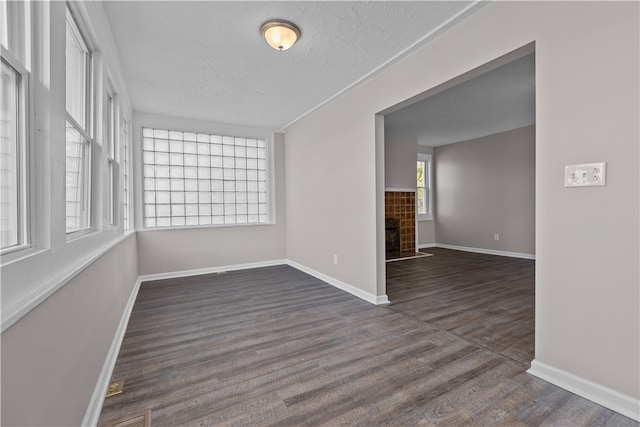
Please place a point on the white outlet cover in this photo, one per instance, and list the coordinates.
(585, 175)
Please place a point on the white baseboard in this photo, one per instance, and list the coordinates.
(426, 245)
(199, 271)
(621, 403)
(486, 251)
(370, 298)
(373, 299)
(100, 390)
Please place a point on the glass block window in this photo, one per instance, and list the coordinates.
(195, 179)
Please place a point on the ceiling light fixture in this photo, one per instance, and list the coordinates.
(280, 34)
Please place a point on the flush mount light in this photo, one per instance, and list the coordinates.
(280, 34)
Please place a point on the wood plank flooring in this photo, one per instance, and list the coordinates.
(276, 347)
(486, 299)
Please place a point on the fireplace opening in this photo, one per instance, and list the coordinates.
(392, 235)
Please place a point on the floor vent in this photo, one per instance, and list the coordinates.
(115, 387)
(142, 419)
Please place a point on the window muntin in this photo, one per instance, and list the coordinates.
(423, 187)
(78, 134)
(202, 179)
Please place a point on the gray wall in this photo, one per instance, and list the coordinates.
(53, 356)
(586, 110)
(400, 155)
(486, 186)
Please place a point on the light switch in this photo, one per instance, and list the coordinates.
(585, 175)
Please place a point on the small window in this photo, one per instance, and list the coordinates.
(78, 137)
(423, 187)
(201, 179)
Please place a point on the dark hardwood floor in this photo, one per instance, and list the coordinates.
(486, 299)
(276, 347)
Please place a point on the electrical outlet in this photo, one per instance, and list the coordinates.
(585, 175)
(496, 237)
(335, 258)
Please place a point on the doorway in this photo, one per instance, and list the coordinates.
(479, 128)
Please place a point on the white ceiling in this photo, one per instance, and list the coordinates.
(497, 101)
(207, 60)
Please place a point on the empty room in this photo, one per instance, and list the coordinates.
(196, 204)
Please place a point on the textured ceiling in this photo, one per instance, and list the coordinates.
(207, 60)
(497, 101)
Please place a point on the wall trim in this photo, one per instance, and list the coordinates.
(368, 297)
(208, 270)
(616, 401)
(100, 390)
(486, 251)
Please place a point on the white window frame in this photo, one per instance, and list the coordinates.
(87, 209)
(22, 155)
(427, 160)
(111, 147)
(16, 51)
(16, 35)
(125, 158)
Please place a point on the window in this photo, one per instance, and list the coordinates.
(423, 185)
(111, 156)
(202, 179)
(78, 136)
(14, 73)
(12, 147)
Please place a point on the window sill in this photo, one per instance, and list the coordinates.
(423, 218)
(79, 234)
(200, 227)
